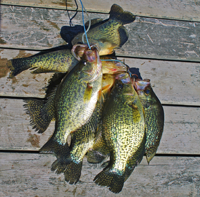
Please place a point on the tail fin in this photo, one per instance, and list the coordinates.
(60, 164)
(53, 146)
(73, 172)
(17, 66)
(40, 118)
(95, 156)
(111, 179)
(116, 12)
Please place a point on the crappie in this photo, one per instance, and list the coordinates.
(55, 61)
(99, 150)
(154, 117)
(81, 141)
(75, 100)
(123, 132)
(109, 34)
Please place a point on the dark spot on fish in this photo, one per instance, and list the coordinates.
(34, 140)
(3, 67)
(2, 41)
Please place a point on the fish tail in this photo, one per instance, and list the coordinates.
(149, 156)
(60, 164)
(111, 179)
(52, 146)
(17, 66)
(94, 157)
(73, 172)
(116, 12)
(39, 118)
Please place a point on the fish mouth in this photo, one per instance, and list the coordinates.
(141, 85)
(123, 77)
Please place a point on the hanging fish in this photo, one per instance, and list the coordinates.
(81, 141)
(154, 116)
(123, 132)
(74, 102)
(42, 112)
(99, 150)
(109, 34)
(54, 61)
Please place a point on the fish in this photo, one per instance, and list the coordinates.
(109, 34)
(123, 130)
(81, 141)
(42, 112)
(99, 150)
(74, 102)
(154, 116)
(53, 61)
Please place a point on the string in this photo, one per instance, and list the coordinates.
(85, 32)
(88, 25)
(70, 19)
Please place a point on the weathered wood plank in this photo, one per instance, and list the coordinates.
(181, 131)
(180, 9)
(30, 175)
(35, 28)
(169, 87)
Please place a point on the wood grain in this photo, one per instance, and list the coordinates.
(181, 131)
(36, 28)
(182, 89)
(30, 175)
(179, 9)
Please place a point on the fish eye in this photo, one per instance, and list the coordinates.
(147, 91)
(120, 85)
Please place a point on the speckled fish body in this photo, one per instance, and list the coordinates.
(84, 138)
(75, 100)
(154, 117)
(42, 112)
(109, 34)
(123, 131)
(55, 61)
(99, 149)
(81, 141)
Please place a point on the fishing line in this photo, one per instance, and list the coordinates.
(85, 32)
(70, 19)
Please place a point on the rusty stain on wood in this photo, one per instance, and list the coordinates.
(2, 41)
(22, 54)
(4, 70)
(53, 24)
(34, 140)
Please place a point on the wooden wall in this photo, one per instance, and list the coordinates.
(164, 44)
